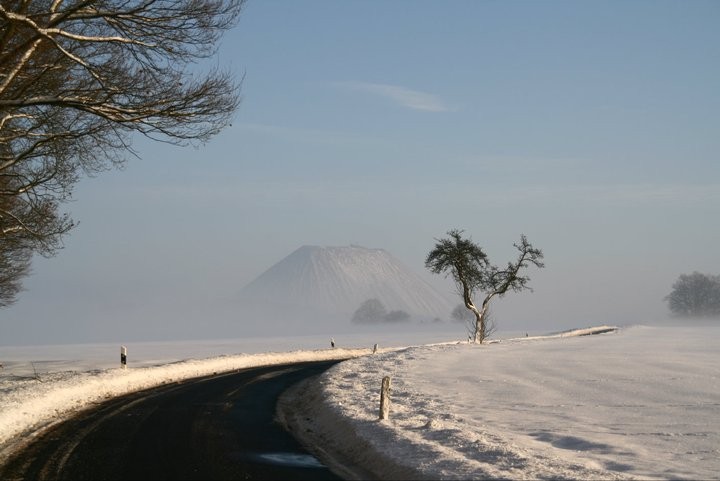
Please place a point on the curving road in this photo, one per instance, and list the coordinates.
(218, 427)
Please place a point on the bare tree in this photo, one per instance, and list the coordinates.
(77, 79)
(14, 266)
(695, 295)
(471, 270)
(15, 253)
(370, 311)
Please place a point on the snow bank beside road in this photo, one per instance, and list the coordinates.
(641, 403)
(30, 403)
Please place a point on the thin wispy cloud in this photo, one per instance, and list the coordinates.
(405, 97)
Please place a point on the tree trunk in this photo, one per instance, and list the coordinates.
(479, 335)
(479, 331)
(480, 318)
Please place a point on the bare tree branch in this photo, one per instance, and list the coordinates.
(79, 78)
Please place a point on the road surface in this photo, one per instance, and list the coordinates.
(218, 427)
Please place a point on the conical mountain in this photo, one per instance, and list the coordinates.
(337, 280)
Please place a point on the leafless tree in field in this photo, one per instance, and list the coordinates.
(79, 78)
(471, 270)
(695, 295)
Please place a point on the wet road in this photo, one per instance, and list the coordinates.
(219, 427)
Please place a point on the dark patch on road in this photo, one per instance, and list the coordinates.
(217, 427)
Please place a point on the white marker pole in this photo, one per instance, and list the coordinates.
(123, 357)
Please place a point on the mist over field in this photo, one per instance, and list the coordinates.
(284, 302)
(519, 118)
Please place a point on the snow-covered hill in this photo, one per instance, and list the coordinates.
(335, 281)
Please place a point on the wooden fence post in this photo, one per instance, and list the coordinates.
(385, 398)
(123, 357)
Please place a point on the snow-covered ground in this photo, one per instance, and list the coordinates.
(642, 402)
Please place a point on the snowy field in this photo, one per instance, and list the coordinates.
(642, 402)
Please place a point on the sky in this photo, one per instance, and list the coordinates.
(590, 127)
(560, 406)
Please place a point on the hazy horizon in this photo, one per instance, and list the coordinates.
(591, 127)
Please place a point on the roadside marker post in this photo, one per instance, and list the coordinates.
(385, 398)
(123, 357)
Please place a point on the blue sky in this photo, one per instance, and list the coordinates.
(592, 127)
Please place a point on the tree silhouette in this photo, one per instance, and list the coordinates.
(469, 267)
(695, 295)
(78, 79)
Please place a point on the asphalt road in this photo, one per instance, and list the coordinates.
(219, 427)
